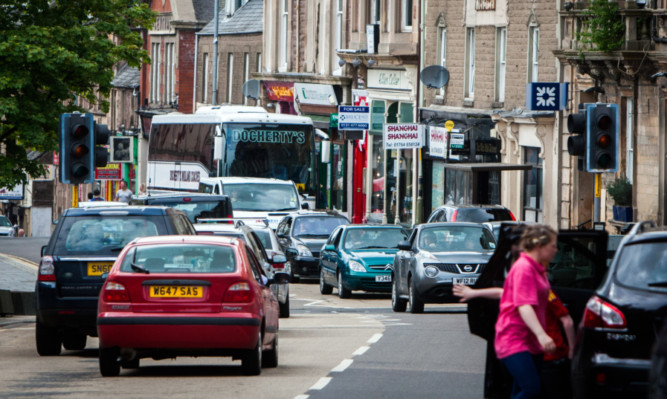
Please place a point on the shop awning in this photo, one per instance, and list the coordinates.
(487, 166)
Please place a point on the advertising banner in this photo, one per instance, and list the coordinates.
(403, 135)
(437, 141)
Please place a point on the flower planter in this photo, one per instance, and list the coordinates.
(623, 213)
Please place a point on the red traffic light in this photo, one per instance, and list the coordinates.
(604, 141)
(79, 132)
(605, 122)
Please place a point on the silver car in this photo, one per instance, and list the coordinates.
(435, 257)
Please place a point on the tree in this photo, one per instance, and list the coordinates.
(51, 52)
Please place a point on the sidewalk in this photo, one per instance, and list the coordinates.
(17, 287)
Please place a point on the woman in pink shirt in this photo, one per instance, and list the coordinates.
(521, 339)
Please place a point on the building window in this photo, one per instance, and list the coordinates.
(470, 64)
(533, 53)
(230, 76)
(284, 19)
(532, 186)
(205, 78)
(338, 70)
(374, 12)
(406, 15)
(259, 62)
(442, 54)
(629, 144)
(170, 73)
(155, 73)
(501, 47)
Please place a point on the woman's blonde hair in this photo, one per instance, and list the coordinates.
(536, 235)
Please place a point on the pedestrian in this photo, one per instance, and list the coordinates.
(142, 189)
(123, 194)
(90, 196)
(96, 195)
(521, 338)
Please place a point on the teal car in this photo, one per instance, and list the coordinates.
(359, 257)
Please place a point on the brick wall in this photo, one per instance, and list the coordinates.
(185, 66)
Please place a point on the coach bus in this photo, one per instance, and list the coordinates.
(230, 140)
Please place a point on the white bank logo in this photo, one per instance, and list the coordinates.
(546, 96)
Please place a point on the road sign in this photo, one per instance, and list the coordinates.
(449, 125)
(353, 118)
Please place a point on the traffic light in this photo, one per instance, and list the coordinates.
(79, 135)
(602, 136)
(576, 143)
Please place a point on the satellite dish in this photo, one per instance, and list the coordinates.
(251, 89)
(434, 76)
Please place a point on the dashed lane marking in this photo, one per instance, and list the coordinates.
(361, 351)
(342, 366)
(321, 383)
(375, 338)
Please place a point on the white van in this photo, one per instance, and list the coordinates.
(254, 197)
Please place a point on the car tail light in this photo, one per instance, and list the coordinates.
(47, 270)
(239, 293)
(454, 216)
(205, 233)
(278, 265)
(600, 314)
(115, 292)
(230, 217)
(512, 215)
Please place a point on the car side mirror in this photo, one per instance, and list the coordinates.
(279, 278)
(281, 235)
(305, 206)
(329, 247)
(278, 258)
(292, 252)
(404, 246)
(43, 250)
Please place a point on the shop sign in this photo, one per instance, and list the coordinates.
(333, 121)
(279, 91)
(437, 141)
(360, 97)
(110, 172)
(456, 140)
(403, 135)
(309, 93)
(546, 96)
(487, 147)
(13, 193)
(389, 79)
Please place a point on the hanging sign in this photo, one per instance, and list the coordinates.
(437, 142)
(403, 135)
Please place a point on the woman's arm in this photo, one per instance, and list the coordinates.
(466, 293)
(530, 318)
(568, 326)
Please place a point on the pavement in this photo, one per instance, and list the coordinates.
(17, 274)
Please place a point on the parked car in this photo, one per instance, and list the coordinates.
(187, 296)
(6, 228)
(81, 250)
(359, 257)
(436, 256)
(302, 235)
(270, 260)
(254, 197)
(621, 321)
(470, 213)
(196, 206)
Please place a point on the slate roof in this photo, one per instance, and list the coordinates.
(126, 77)
(205, 9)
(247, 19)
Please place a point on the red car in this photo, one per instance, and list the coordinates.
(171, 296)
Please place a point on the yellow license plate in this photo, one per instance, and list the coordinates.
(176, 291)
(99, 268)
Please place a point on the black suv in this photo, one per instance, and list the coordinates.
(622, 320)
(470, 213)
(81, 250)
(302, 235)
(195, 205)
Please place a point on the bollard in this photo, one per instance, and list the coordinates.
(6, 303)
(24, 303)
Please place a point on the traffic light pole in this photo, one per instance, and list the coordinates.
(598, 194)
(75, 195)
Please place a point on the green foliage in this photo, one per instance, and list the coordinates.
(620, 190)
(603, 26)
(50, 52)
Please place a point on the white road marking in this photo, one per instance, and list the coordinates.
(361, 350)
(319, 385)
(342, 366)
(375, 338)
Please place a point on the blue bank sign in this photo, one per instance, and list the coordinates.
(546, 96)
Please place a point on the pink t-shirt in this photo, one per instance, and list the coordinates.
(526, 284)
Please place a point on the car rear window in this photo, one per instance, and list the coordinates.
(482, 215)
(265, 238)
(316, 225)
(187, 258)
(104, 235)
(643, 265)
(200, 209)
(450, 238)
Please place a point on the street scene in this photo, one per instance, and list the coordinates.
(332, 198)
